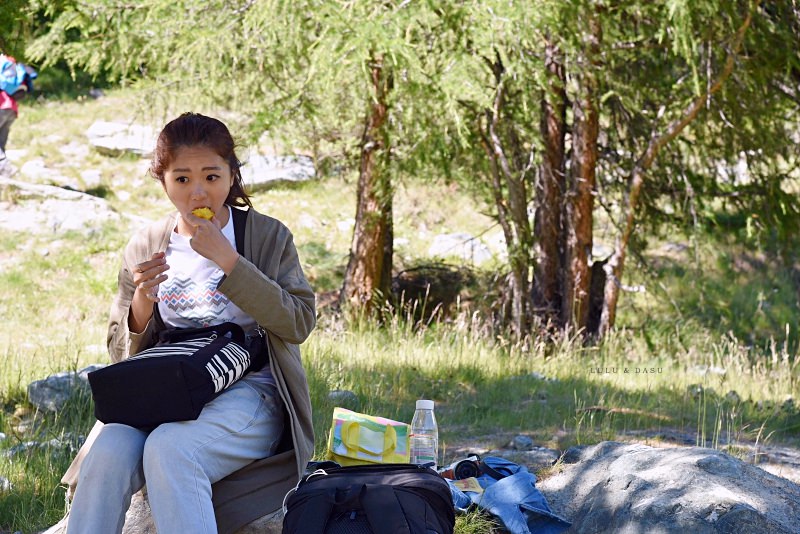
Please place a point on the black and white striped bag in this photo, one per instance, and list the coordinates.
(175, 379)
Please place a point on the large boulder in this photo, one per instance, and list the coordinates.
(460, 245)
(117, 138)
(52, 393)
(632, 488)
(261, 172)
(45, 209)
(37, 171)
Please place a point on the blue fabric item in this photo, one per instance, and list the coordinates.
(501, 466)
(12, 74)
(514, 500)
(461, 501)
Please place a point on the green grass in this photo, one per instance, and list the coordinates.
(715, 306)
(37, 500)
(485, 394)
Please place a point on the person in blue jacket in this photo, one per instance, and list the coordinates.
(16, 82)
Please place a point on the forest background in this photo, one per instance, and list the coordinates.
(638, 158)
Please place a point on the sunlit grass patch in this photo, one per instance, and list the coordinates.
(34, 456)
(572, 394)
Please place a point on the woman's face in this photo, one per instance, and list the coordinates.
(198, 177)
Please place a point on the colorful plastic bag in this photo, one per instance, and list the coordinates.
(356, 439)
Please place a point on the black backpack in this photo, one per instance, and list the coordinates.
(369, 499)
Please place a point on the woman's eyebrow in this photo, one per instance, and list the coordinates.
(214, 168)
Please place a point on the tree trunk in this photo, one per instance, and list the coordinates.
(580, 195)
(368, 274)
(506, 223)
(616, 264)
(510, 177)
(550, 193)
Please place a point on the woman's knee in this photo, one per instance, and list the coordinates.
(163, 450)
(117, 452)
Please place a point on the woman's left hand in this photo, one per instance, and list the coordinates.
(208, 241)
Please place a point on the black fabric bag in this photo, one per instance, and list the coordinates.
(369, 499)
(175, 379)
(188, 368)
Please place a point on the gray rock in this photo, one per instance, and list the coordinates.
(15, 154)
(7, 169)
(673, 248)
(5, 485)
(522, 443)
(51, 393)
(345, 225)
(91, 178)
(623, 488)
(61, 448)
(694, 390)
(344, 399)
(708, 370)
(460, 245)
(307, 221)
(139, 521)
(765, 405)
(269, 524)
(117, 138)
(83, 374)
(733, 397)
(261, 172)
(75, 150)
(496, 241)
(19, 448)
(37, 171)
(44, 209)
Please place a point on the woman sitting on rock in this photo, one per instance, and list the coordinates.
(184, 271)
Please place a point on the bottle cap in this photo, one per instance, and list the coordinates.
(424, 405)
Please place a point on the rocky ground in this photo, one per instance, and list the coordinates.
(782, 460)
(628, 487)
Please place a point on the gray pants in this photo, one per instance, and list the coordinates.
(178, 461)
(7, 116)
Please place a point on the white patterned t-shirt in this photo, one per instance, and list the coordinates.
(189, 297)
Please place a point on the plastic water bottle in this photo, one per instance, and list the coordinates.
(424, 435)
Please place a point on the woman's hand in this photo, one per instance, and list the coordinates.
(146, 277)
(208, 241)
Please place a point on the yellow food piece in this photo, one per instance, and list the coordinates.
(204, 213)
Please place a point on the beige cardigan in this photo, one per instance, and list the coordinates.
(267, 283)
